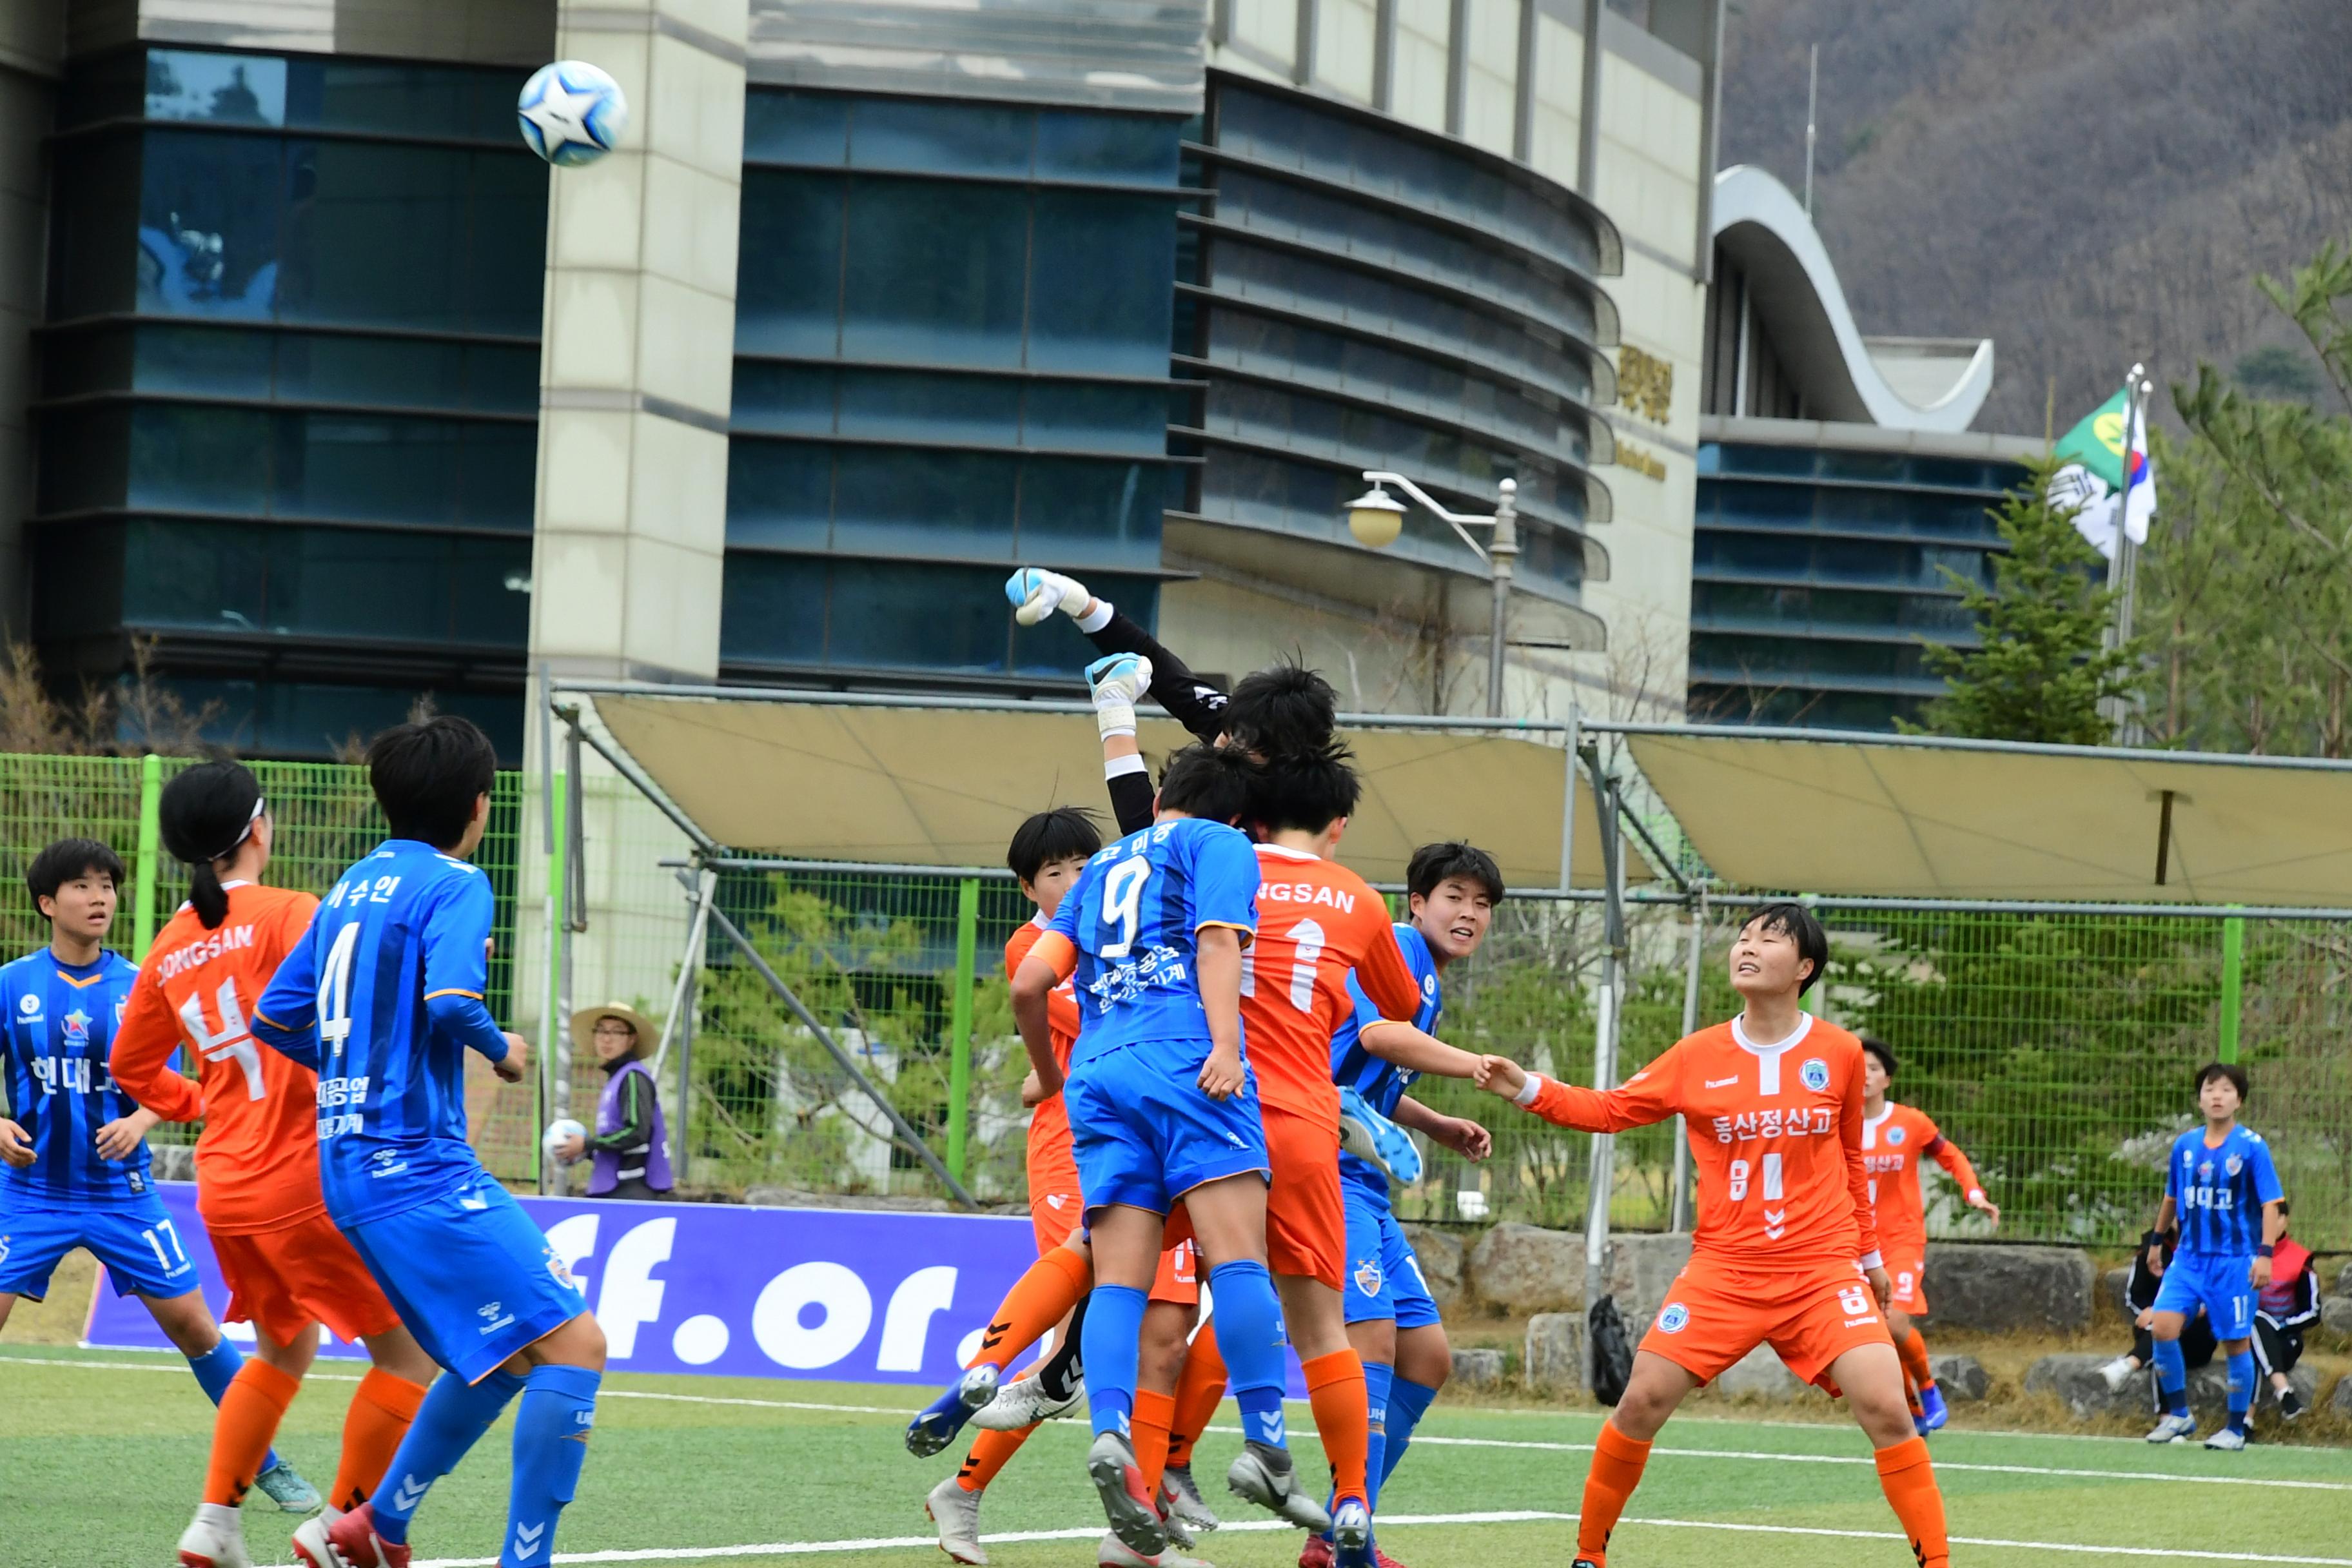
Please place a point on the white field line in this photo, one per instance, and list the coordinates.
(1090, 1532)
(1524, 1445)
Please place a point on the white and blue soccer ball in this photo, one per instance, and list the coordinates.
(559, 1132)
(572, 113)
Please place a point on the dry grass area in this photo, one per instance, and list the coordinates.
(58, 1319)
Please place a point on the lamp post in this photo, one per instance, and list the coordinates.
(1376, 518)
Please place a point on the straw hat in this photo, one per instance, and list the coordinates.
(584, 1027)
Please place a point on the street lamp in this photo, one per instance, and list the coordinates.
(1376, 518)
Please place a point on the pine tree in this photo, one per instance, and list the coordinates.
(2039, 672)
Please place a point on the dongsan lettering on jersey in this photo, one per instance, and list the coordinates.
(228, 939)
(1302, 895)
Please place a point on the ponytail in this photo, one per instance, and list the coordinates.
(207, 815)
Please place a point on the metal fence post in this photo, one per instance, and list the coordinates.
(2233, 982)
(151, 833)
(959, 1062)
(553, 1022)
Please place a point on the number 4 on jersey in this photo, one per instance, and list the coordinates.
(231, 1040)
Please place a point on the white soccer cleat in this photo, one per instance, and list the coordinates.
(957, 1514)
(2228, 1439)
(2117, 1373)
(1265, 1475)
(1352, 1535)
(1023, 1402)
(1368, 1135)
(2174, 1429)
(1119, 1481)
(1036, 593)
(1183, 1496)
(1115, 1553)
(214, 1538)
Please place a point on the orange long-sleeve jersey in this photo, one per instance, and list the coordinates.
(1317, 922)
(1053, 1167)
(257, 1160)
(1892, 1145)
(1775, 1138)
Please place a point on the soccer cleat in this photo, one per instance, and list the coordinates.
(1179, 1535)
(2174, 1429)
(213, 1538)
(957, 1514)
(1352, 1534)
(1035, 594)
(1119, 1481)
(1368, 1135)
(2290, 1404)
(1023, 1402)
(1315, 1553)
(936, 1424)
(1263, 1475)
(1383, 1560)
(1182, 1495)
(1115, 1553)
(1590, 1560)
(1933, 1412)
(2228, 1439)
(2117, 1373)
(288, 1489)
(349, 1540)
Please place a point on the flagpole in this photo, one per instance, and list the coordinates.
(2123, 566)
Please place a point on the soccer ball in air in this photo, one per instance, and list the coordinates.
(560, 1132)
(572, 113)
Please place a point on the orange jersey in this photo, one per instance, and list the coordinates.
(1775, 1137)
(1317, 920)
(1892, 1147)
(1053, 1168)
(257, 1161)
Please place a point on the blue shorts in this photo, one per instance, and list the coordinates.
(2224, 1287)
(1145, 1134)
(470, 1275)
(136, 1241)
(1384, 1276)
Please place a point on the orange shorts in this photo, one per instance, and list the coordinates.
(1811, 1314)
(1908, 1272)
(1178, 1280)
(1306, 1220)
(283, 1280)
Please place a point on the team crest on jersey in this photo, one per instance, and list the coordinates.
(77, 1024)
(1814, 1073)
(1894, 1136)
(559, 1271)
(1368, 1276)
(2233, 1165)
(1674, 1318)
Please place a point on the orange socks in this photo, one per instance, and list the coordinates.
(1199, 1391)
(1909, 1479)
(1335, 1387)
(1617, 1462)
(378, 1419)
(1913, 1349)
(1038, 1300)
(250, 1409)
(1149, 1428)
(988, 1456)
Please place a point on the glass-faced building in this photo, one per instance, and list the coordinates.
(336, 398)
(1843, 502)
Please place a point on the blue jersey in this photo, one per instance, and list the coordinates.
(1134, 917)
(382, 995)
(1383, 1083)
(2219, 1194)
(61, 1022)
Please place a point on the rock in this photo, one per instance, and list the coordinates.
(2073, 1378)
(1641, 1269)
(172, 1162)
(1761, 1373)
(1961, 1377)
(1478, 1369)
(2335, 1314)
(2009, 1288)
(1555, 1357)
(1524, 1268)
(2343, 1281)
(2342, 1401)
(1440, 1254)
(2114, 1285)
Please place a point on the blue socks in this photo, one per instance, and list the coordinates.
(1250, 1335)
(1407, 1402)
(452, 1419)
(2172, 1377)
(2241, 1388)
(550, 1443)
(1376, 1401)
(215, 1370)
(1110, 1348)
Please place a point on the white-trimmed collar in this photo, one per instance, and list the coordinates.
(1740, 1033)
(1040, 921)
(1286, 852)
(240, 882)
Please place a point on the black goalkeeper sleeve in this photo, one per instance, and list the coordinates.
(1189, 700)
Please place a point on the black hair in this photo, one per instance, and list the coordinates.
(1308, 789)
(1215, 781)
(427, 775)
(1799, 925)
(206, 813)
(1064, 833)
(2230, 1070)
(1281, 710)
(1878, 1047)
(68, 858)
(1432, 864)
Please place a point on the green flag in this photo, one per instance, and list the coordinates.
(2097, 443)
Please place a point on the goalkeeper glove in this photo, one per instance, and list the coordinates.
(1117, 681)
(1036, 593)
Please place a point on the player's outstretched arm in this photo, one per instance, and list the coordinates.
(141, 1057)
(1194, 703)
(1118, 683)
(1459, 1133)
(286, 1019)
(1417, 1050)
(1956, 1165)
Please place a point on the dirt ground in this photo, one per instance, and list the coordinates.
(57, 1319)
